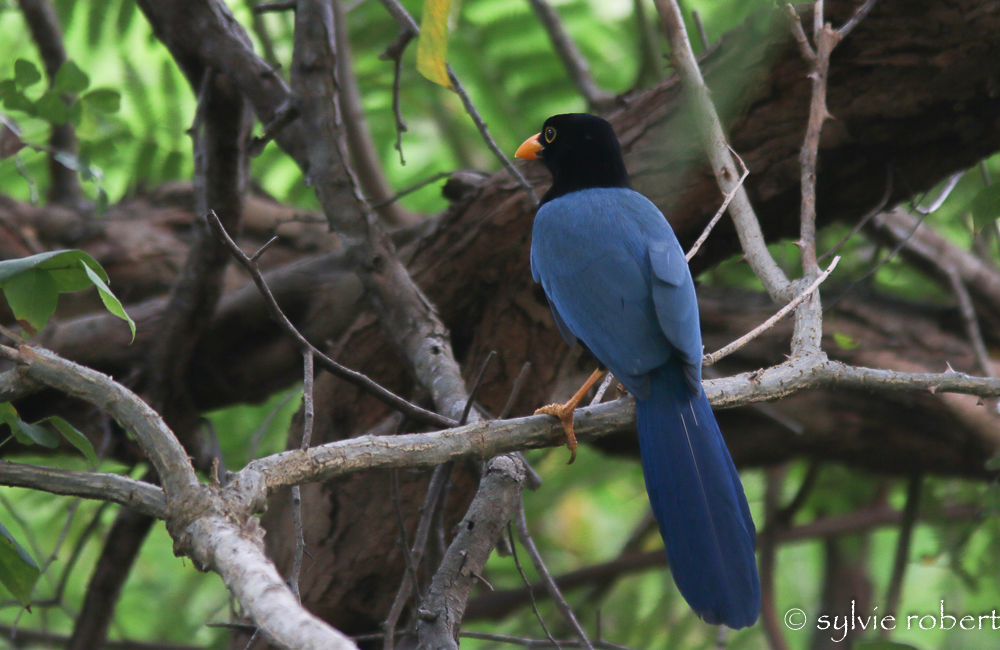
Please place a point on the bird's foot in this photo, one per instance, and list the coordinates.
(565, 414)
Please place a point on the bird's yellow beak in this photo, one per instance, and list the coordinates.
(529, 150)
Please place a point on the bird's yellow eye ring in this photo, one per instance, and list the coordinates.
(550, 134)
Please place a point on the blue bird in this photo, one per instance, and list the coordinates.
(617, 282)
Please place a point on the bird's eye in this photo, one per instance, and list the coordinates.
(550, 134)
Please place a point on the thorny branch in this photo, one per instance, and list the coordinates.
(715, 142)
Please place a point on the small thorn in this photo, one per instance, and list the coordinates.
(948, 364)
(932, 389)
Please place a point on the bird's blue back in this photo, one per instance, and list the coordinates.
(617, 280)
(616, 277)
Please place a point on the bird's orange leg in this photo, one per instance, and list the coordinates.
(565, 412)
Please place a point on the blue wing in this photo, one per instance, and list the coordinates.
(616, 279)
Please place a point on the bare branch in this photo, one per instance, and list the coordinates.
(500, 604)
(710, 359)
(910, 513)
(968, 312)
(138, 495)
(406, 22)
(410, 410)
(714, 140)
(574, 62)
(164, 451)
(64, 185)
(359, 140)
(524, 535)
(489, 438)
(495, 503)
(721, 211)
(405, 313)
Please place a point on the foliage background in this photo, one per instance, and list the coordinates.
(583, 513)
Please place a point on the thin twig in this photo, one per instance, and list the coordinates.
(709, 359)
(293, 580)
(283, 116)
(527, 585)
(395, 53)
(524, 535)
(574, 62)
(410, 190)
(484, 132)
(722, 209)
(767, 548)
(433, 504)
(515, 390)
(308, 411)
(858, 16)
(701, 30)
(874, 269)
(411, 569)
(411, 411)
(864, 220)
(275, 5)
(538, 643)
(407, 24)
(308, 367)
(910, 514)
(942, 196)
(603, 388)
(972, 330)
(475, 388)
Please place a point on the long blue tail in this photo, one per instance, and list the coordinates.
(698, 501)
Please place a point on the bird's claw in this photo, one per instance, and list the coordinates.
(565, 414)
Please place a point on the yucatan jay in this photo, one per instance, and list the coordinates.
(617, 282)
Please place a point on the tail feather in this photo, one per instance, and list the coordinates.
(698, 500)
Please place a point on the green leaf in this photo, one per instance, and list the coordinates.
(18, 572)
(16, 101)
(844, 342)
(103, 100)
(882, 645)
(70, 79)
(985, 206)
(993, 464)
(73, 437)
(126, 11)
(991, 500)
(62, 264)
(7, 87)
(28, 434)
(32, 297)
(432, 45)
(32, 284)
(110, 302)
(51, 108)
(26, 74)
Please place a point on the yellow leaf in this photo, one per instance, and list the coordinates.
(432, 46)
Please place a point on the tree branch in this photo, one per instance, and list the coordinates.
(496, 502)
(64, 185)
(137, 495)
(574, 62)
(715, 142)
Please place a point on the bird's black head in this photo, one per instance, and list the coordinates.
(580, 150)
